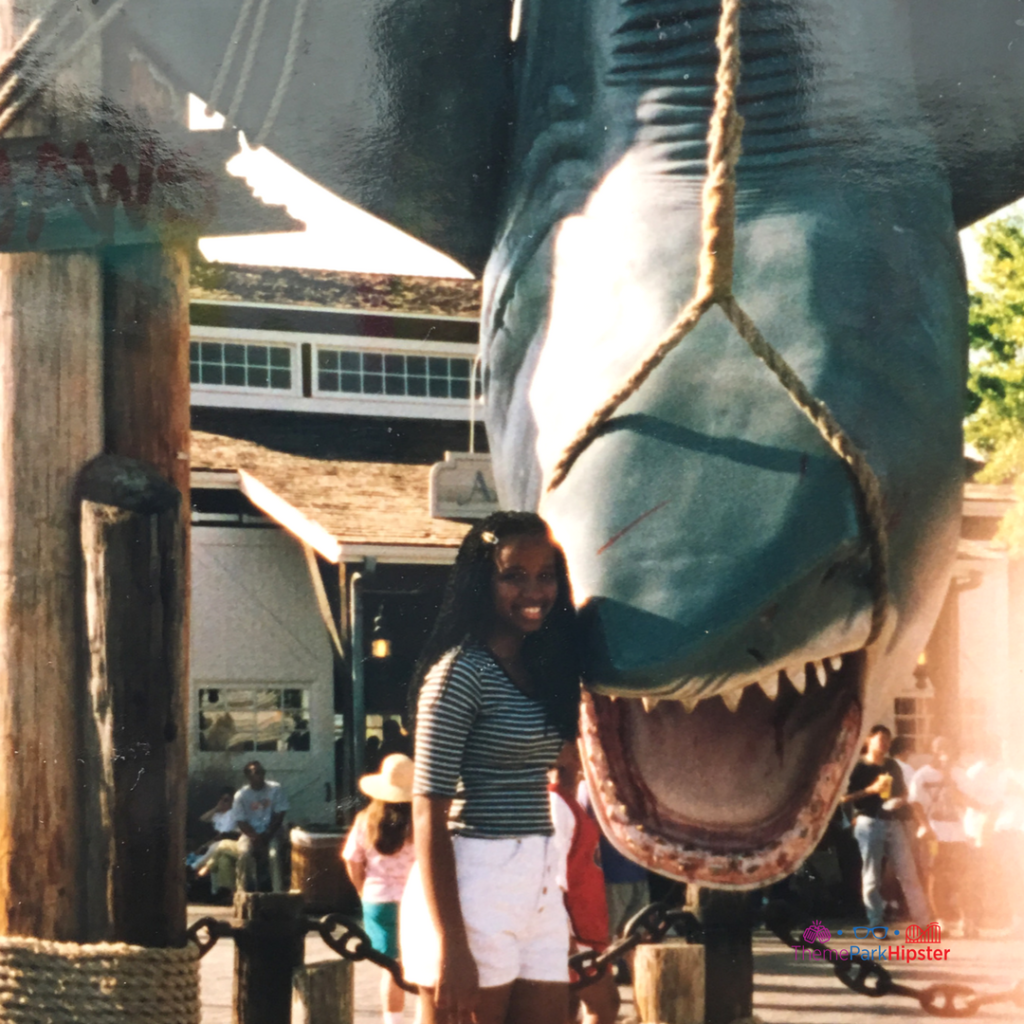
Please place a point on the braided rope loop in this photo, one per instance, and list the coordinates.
(101, 983)
(714, 288)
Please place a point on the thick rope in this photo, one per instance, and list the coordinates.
(13, 110)
(248, 61)
(714, 288)
(104, 983)
(287, 70)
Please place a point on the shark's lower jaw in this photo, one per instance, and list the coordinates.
(720, 797)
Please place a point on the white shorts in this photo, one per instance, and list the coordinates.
(512, 906)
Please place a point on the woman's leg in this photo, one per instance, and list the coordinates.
(537, 1002)
(392, 998)
(493, 1008)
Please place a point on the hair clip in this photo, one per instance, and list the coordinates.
(488, 538)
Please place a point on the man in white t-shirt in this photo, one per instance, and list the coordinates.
(941, 789)
(259, 810)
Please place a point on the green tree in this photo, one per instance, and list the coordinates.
(995, 413)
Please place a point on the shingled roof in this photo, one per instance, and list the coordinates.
(436, 296)
(354, 502)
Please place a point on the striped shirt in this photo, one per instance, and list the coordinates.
(482, 742)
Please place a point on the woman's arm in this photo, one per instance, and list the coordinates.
(458, 982)
(357, 873)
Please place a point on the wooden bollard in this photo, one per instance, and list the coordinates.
(678, 982)
(268, 947)
(322, 993)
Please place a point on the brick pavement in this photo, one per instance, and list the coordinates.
(786, 992)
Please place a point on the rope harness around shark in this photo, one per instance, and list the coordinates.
(714, 288)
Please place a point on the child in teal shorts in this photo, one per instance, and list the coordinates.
(378, 856)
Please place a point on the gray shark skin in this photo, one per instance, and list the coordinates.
(712, 537)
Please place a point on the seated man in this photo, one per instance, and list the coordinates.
(218, 857)
(259, 810)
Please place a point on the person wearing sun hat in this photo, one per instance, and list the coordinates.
(378, 856)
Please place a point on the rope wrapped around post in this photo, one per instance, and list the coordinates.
(100, 983)
(714, 288)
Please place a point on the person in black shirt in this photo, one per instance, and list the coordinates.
(879, 798)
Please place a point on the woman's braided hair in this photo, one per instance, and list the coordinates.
(551, 655)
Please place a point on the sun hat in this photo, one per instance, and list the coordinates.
(393, 783)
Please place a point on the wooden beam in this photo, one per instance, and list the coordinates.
(133, 544)
(50, 425)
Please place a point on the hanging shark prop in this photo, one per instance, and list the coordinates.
(714, 540)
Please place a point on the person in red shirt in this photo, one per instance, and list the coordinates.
(585, 899)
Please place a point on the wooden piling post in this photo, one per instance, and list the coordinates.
(267, 951)
(677, 982)
(322, 993)
(50, 426)
(133, 545)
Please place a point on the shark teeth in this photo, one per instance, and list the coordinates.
(731, 699)
(823, 670)
(798, 677)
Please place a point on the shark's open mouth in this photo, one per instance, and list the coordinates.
(730, 795)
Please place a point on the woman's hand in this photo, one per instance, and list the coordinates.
(458, 984)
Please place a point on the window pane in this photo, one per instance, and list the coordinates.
(234, 354)
(281, 379)
(459, 367)
(295, 699)
(394, 364)
(257, 378)
(373, 383)
(280, 357)
(438, 387)
(193, 350)
(437, 367)
(417, 365)
(234, 375)
(394, 385)
(373, 362)
(351, 382)
(460, 389)
(256, 355)
(212, 374)
(417, 386)
(327, 382)
(210, 352)
(193, 373)
(327, 360)
(351, 361)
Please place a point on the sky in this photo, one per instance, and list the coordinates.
(339, 236)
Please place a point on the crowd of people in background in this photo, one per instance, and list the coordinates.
(949, 832)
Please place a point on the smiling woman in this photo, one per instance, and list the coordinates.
(483, 924)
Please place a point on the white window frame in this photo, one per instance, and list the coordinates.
(229, 336)
(268, 756)
(336, 402)
(452, 408)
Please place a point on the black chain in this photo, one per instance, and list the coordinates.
(650, 925)
(354, 944)
(870, 978)
(350, 942)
